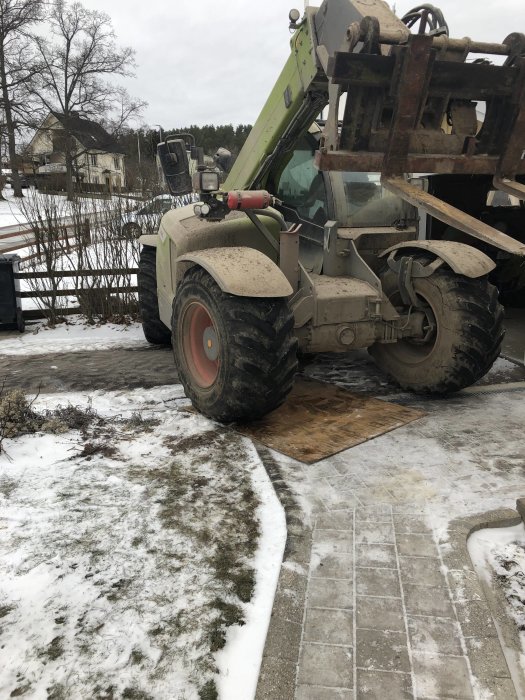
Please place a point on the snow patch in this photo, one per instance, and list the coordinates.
(499, 557)
(75, 336)
(239, 662)
(97, 590)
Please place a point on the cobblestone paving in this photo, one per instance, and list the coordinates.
(78, 371)
(380, 615)
(387, 605)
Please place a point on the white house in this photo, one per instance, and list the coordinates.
(98, 159)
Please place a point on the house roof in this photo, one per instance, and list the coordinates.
(90, 134)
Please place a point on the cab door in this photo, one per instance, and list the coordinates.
(306, 199)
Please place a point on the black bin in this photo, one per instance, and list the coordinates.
(10, 305)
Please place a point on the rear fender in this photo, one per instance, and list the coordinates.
(461, 258)
(244, 272)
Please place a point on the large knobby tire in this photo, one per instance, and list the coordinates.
(154, 330)
(466, 340)
(236, 356)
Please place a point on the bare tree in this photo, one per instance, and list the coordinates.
(125, 109)
(17, 69)
(82, 52)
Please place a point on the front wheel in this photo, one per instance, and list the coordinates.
(464, 332)
(236, 356)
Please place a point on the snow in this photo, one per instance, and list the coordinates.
(442, 462)
(75, 336)
(498, 555)
(239, 663)
(93, 581)
(48, 577)
(10, 213)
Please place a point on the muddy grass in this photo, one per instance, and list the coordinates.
(19, 417)
(134, 555)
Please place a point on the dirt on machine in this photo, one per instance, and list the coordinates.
(371, 228)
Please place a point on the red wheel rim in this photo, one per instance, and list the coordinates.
(200, 344)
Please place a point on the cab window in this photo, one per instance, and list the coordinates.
(302, 187)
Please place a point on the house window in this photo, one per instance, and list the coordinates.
(116, 162)
(93, 158)
(95, 180)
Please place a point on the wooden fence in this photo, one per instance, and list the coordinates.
(31, 314)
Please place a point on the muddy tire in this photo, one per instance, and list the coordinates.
(154, 330)
(466, 340)
(236, 356)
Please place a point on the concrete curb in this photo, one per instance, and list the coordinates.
(281, 650)
(483, 610)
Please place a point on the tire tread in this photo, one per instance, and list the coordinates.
(477, 317)
(154, 329)
(262, 347)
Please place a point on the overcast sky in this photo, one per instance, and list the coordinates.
(210, 62)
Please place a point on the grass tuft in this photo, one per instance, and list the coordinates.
(91, 449)
(5, 610)
(54, 649)
(136, 694)
(209, 691)
(137, 422)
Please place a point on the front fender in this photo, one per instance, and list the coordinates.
(149, 239)
(461, 258)
(244, 272)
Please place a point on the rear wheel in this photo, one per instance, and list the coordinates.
(236, 356)
(464, 332)
(154, 330)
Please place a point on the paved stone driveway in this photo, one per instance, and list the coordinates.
(381, 618)
(378, 597)
(119, 368)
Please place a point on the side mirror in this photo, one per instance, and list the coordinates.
(174, 163)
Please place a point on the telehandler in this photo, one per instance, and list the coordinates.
(318, 240)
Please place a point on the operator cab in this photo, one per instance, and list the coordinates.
(312, 197)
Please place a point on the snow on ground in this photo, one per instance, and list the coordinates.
(239, 662)
(11, 210)
(499, 557)
(123, 559)
(73, 336)
(10, 213)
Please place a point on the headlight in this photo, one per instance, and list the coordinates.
(208, 181)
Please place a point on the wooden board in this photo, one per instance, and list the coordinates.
(319, 420)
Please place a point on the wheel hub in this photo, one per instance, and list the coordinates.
(210, 343)
(429, 328)
(200, 344)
